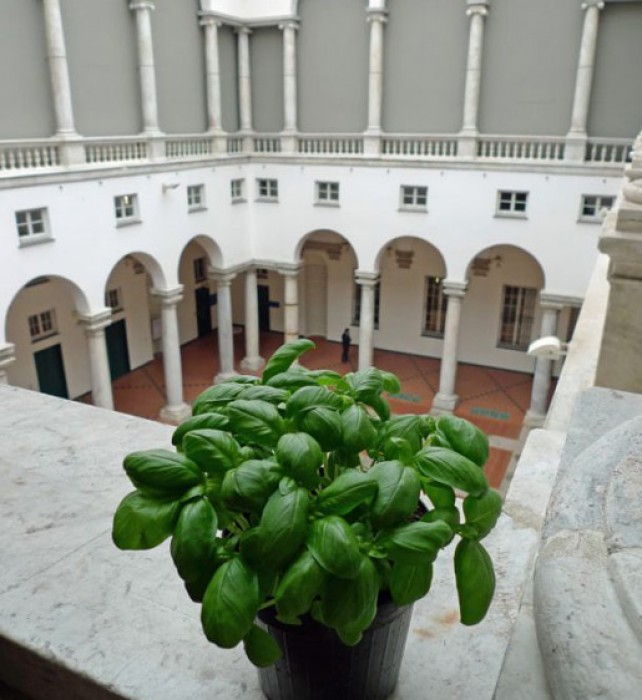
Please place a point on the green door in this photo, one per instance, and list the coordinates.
(51, 372)
(116, 335)
(203, 311)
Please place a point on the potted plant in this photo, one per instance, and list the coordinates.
(294, 503)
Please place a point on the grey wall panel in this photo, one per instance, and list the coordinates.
(179, 53)
(266, 55)
(616, 104)
(101, 49)
(229, 79)
(529, 67)
(333, 65)
(425, 47)
(27, 107)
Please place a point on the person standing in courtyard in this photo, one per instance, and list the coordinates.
(345, 344)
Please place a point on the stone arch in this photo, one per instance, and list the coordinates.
(495, 255)
(404, 249)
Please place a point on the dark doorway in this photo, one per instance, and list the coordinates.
(117, 351)
(51, 372)
(203, 313)
(264, 307)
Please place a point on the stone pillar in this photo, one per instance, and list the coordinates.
(576, 137)
(7, 356)
(536, 414)
(94, 326)
(376, 18)
(291, 303)
(252, 359)
(212, 73)
(367, 281)
(446, 399)
(477, 11)
(288, 140)
(146, 69)
(176, 409)
(245, 80)
(225, 328)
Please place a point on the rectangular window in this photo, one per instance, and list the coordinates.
(356, 306)
(267, 190)
(327, 192)
(594, 206)
(511, 203)
(42, 325)
(195, 197)
(413, 197)
(518, 313)
(436, 305)
(32, 225)
(237, 190)
(113, 299)
(200, 270)
(126, 208)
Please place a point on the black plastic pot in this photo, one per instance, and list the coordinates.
(316, 665)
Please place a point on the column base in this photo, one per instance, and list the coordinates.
(252, 363)
(223, 377)
(175, 414)
(444, 403)
(534, 420)
(467, 144)
(575, 147)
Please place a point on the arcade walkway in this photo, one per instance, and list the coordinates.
(495, 400)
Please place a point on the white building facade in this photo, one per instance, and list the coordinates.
(432, 175)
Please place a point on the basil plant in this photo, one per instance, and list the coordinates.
(299, 490)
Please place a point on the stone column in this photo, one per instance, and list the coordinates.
(477, 11)
(146, 69)
(252, 359)
(291, 303)
(536, 414)
(7, 356)
(176, 409)
(376, 18)
(288, 141)
(576, 137)
(245, 81)
(446, 399)
(225, 328)
(94, 326)
(367, 281)
(210, 25)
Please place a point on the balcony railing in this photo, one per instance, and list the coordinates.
(115, 150)
(548, 148)
(415, 146)
(330, 144)
(28, 155)
(611, 151)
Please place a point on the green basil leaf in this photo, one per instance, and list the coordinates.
(143, 522)
(216, 421)
(214, 451)
(380, 405)
(323, 424)
(325, 377)
(409, 582)
(194, 540)
(440, 495)
(475, 579)
(216, 397)
(398, 493)
(292, 380)
(407, 427)
(334, 545)
(349, 490)
(299, 586)
(248, 487)
(398, 448)
(283, 526)
(242, 379)
(365, 383)
(265, 393)
(417, 542)
(391, 382)
(449, 515)
(357, 429)
(309, 397)
(283, 358)
(162, 472)
(230, 604)
(261, 648)
(451, 468)
(465, 438)
(482, 512)
(256, 422)
(350, 609)
(300, 456)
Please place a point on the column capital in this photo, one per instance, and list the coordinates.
(96, 322)
(376, 14)
(169, 297)
(7, 354)
(210, 20)
(289, 269)
(290, 24)
(366, 278)
(477, 7)
(243, 29)
(593, 3)
(454, 289)
(223, 278)
(142, 5)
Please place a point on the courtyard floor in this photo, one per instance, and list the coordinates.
(494, 399)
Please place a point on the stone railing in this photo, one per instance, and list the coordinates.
(28, 155)
(189, 147)
(416, 146)
(520, 148)
(603, 151)
(330, 144)
(116, 150)
(267, 143)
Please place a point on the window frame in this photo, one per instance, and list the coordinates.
(120, 212)
(597, 217)
(521, 326)
(26, 220)
(36, 323)
(199, 276)
(237, 196)
(197, 204)
(325, 190)
(513, 212)
(438, 307)
(114, 294)
(415, 192)
(270, 185)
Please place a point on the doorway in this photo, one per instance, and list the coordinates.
(117, 350)
(203, 312)
(315, 297)
(50, 369)
(263, 292)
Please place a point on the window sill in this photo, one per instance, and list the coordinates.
(516, 348)
(510, 215)
(332, 205)
(121, 223)
(414, 210)
(434, 336)
(589, 220)
(193, 210)
(240, 200)
(28, 241)
(44, 337)
(267, 200)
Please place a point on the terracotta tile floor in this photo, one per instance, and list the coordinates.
(495, 400)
